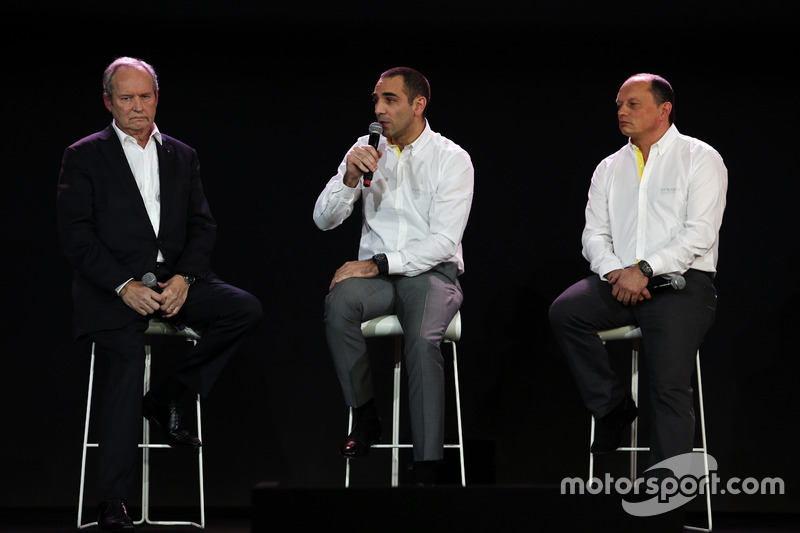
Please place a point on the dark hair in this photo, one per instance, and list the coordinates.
(661, 89)
(414, 83)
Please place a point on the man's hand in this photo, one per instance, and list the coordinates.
(146, 301)
(360, 159)
(140, 298)
(629, 285)
(174, 291)
(354, 269)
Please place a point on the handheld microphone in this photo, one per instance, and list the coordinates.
(677, 283)
(375, 130)
(149, 280)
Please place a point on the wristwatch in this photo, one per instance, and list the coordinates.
(189, 278)
(646, 269)
(382, 262)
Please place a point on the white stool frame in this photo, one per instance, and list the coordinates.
(155, 327)
(388, 326)
(634, 334)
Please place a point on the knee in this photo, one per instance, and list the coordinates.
(248, 309)
(558, 313)
(253, 310)
(341, 306)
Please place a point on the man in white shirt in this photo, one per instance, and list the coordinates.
(654, 212)
(414, 214)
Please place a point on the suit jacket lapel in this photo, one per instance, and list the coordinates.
(111, 148)
(166, 176)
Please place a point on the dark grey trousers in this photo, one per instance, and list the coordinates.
(425, 305)
(673, 325)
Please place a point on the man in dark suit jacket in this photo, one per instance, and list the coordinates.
(130, 201)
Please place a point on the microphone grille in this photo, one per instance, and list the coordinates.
(149, 280)
(376, 127)
(678, 282)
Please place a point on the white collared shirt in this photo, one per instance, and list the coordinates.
(671, 218)
(143, 163)
(416, 208)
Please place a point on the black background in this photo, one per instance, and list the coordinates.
(272, 97)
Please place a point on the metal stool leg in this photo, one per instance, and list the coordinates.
(347, 460)
(86, 444)
(146, 442)
(704, 449)
(635, 397)
(398, 358)
(458, 415)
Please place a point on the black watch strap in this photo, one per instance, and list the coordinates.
(189, 278)
(382, 262)
(646, 269)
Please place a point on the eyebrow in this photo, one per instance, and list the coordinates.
(385, 93)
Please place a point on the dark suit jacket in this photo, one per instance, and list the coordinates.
(106, 233)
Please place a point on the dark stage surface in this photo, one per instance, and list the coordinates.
(272, 97)
(439, 509)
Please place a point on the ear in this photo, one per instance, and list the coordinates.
(420, 103)
(107, 101)
(666, 109)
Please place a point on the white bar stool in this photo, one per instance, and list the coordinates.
(155, 327)
(634, 334)
(389, 326)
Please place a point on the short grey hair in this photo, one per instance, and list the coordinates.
(108, 75)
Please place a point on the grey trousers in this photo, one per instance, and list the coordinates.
(673, 325)
(425, 305)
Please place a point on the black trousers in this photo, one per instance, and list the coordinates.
(673, 325)
(223, 313)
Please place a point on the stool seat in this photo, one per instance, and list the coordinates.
(155, 327)
(621, 333)
(634, 334)
(389, 326)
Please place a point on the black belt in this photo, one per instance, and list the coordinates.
(709, 274)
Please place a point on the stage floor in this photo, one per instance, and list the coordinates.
(405, 509)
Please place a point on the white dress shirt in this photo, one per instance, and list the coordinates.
(144, 166)
(671, 218)
(143, 163)
(416, 208)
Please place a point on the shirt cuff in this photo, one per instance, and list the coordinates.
(122, 286)
(395, 260)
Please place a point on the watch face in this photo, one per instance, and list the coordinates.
(644, 266)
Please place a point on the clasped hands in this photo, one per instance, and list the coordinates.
(629, 285)
(146, 301)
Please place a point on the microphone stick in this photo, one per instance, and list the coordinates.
(375, 130)
(677, 283)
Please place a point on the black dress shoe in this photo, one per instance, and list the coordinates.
(365, 434)
(168, 418)
(114, 516)
(609, 429)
